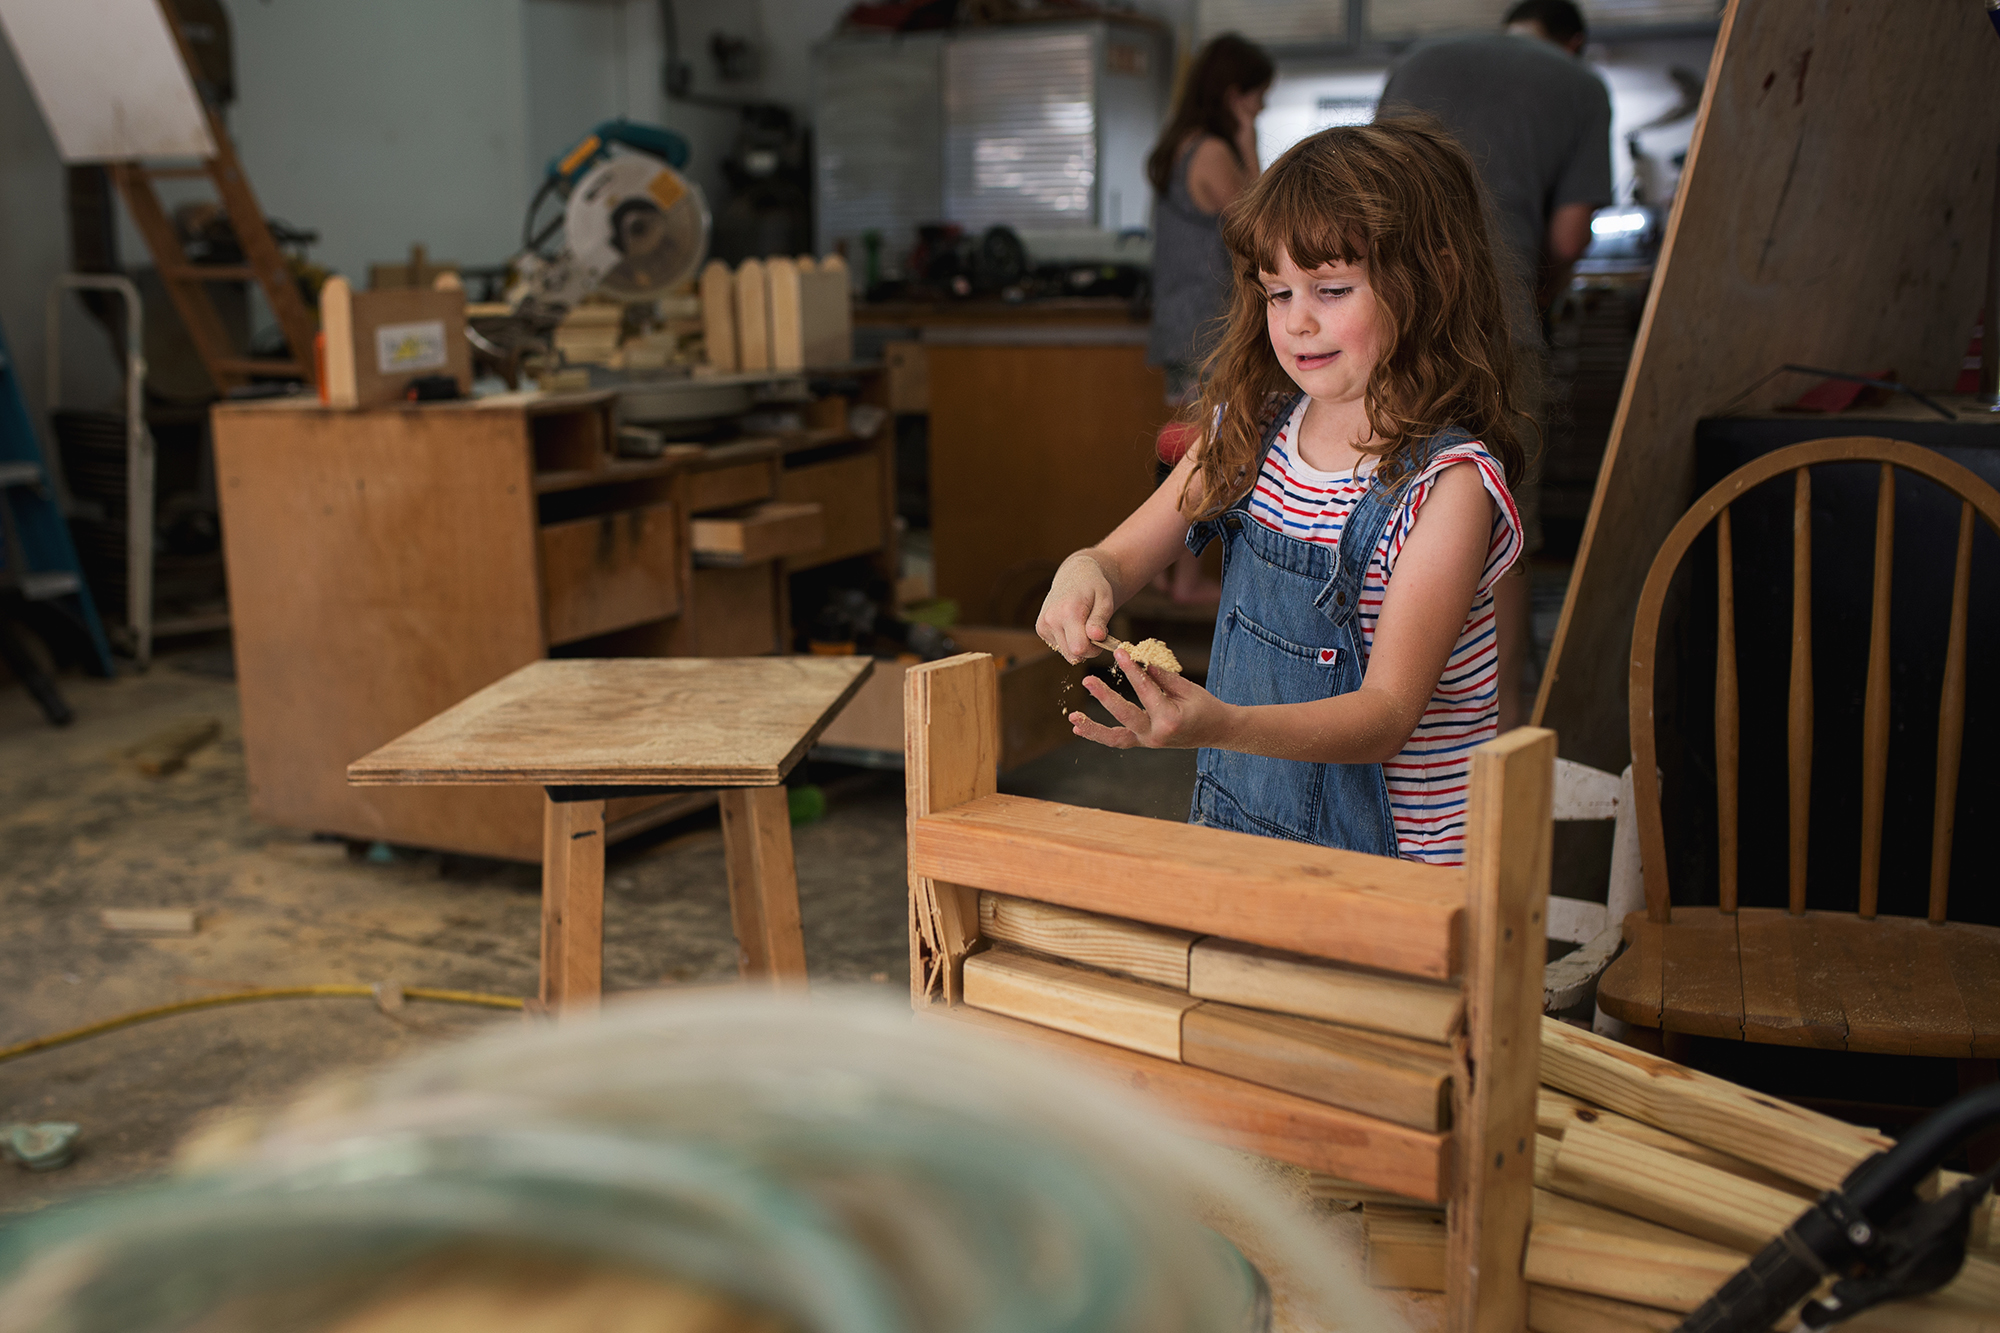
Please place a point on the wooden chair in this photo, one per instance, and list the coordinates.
(1394, 1042)
(1849, 980)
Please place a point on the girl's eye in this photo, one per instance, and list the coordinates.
(1335, 293)
(1277, 296)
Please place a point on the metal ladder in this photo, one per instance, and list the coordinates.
(40, 564)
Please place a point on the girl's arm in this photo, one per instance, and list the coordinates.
(1096, 581)
(1423, 615)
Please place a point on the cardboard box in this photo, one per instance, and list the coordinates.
(1037, 689)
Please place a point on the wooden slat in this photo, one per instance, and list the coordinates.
(1602, 1167)
(1799, 699)
(951, 755)
(1404, 1249)
(1727, 719)
(1630, 989)
(1151, 953)
(1507, 853)
(1791, 990)
(1553, 1310)
(1391, 1077)
(1701, 981)
(1875, 714)
(1292, 984)
(1373, 910)
(1898, 990)
(1563, 1211)
(1292, 1129)
(1599, 1263)
(1557, 1112)
(1812, 1149)
(1951, 721)
(1136, 1015)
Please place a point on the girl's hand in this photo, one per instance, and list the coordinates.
(1173, 713)
(1077, 611)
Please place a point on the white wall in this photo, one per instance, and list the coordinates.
(380, 123)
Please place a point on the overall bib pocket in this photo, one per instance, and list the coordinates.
(1251, 793)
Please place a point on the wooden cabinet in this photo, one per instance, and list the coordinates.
(386, 563)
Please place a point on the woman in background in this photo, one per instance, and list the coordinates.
(1205, 158)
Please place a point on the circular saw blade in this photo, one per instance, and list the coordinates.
(637, 226)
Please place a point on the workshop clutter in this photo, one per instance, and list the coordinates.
(650, 335)
(780, 313)
(1654, 1184)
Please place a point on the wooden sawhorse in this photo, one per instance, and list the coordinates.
(591, 729)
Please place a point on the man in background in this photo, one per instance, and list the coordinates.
(1537, 123)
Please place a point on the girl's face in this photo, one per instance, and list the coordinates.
(1325, 326)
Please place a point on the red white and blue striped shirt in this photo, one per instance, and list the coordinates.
(1428, 780)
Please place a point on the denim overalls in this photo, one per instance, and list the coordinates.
(1288, 631)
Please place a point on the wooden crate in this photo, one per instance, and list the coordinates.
(1074, 929)
(1037, 688)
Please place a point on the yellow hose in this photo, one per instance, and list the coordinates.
(246, 997)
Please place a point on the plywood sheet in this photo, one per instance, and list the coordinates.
(1833, 213)
(717, 722)
(109, 78)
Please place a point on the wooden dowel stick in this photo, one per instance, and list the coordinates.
(1726, 718)
(1799, 713)
(1875, 714)
(1951, 721)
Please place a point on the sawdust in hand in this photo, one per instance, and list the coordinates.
(1153, 653)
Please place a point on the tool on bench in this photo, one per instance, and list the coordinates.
(631, 226)
(1873, 1235)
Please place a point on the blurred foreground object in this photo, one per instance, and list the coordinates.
(722, 1161)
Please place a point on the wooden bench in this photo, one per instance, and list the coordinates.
(1374, 1019)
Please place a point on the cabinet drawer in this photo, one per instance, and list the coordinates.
(849, 490)
(727, 487)
(608, 572)
(762, 532)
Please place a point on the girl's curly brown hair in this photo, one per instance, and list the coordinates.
(1402, 195)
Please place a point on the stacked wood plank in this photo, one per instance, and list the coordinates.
(780, 313)
(1654, 1183)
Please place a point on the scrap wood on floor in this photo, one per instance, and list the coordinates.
(1654, 1185)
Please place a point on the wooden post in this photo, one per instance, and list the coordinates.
(1508, 835)
(572, 903)
(763, 883)
(951, 744)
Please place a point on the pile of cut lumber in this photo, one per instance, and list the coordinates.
(1653, 1184)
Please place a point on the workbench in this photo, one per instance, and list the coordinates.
(385, 564)
(1043, 416)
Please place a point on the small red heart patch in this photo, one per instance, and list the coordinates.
(1326, 656)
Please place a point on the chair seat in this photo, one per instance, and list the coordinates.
(1895, 985)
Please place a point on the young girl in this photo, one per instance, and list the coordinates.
(1359, 440)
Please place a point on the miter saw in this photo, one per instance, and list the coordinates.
(630, 226)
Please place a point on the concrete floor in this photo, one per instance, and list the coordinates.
(81, 830)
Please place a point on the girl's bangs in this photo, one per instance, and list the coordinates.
(1312, 231)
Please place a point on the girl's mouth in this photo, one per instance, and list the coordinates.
(1315, 361)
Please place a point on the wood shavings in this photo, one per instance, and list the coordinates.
(1153, 653)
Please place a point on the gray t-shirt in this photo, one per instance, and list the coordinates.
(1537, 124)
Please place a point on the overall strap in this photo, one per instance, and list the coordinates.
(1207, 530)
(1361, 534)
